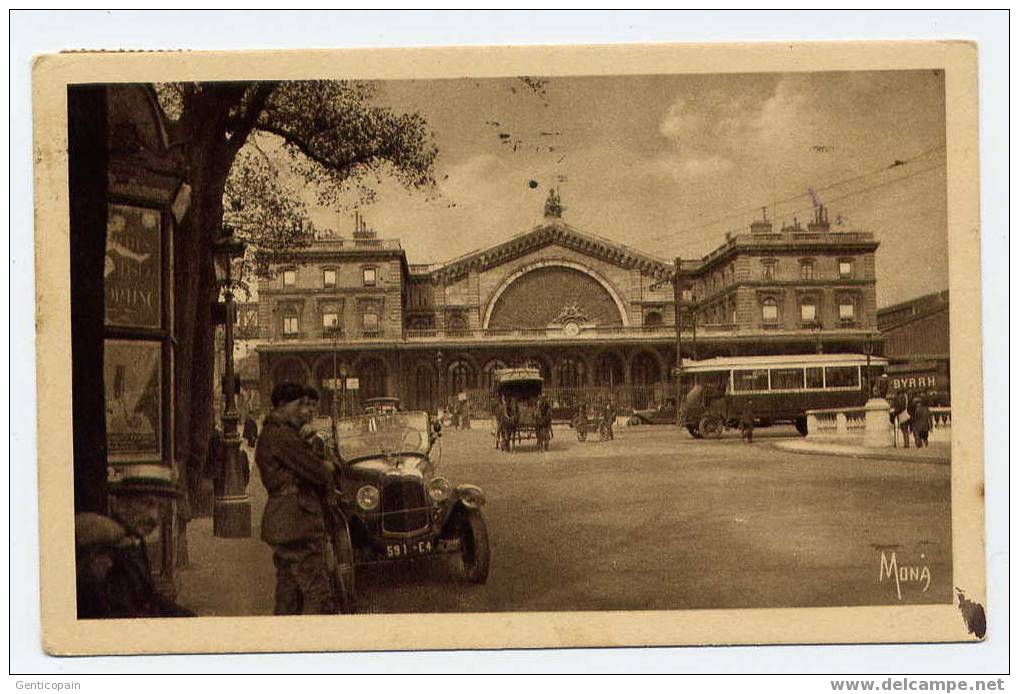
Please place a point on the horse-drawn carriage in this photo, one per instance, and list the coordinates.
(520, 413)
(586, 422)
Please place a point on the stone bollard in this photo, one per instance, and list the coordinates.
(813, 428)
(841, 424)
(878, 430)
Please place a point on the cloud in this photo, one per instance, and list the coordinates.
(706, 132)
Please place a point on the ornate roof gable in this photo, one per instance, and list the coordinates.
(548, 234)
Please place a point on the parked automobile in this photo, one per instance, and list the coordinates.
(663, 414)
(392, 506)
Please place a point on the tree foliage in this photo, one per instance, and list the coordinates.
(268, 215)
(337, 136)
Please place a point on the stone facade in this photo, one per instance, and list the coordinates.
(590, 313)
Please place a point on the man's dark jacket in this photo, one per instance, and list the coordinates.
(296, 480)
(113, 576)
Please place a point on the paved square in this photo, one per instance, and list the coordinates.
(651, 520)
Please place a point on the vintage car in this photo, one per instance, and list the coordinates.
(392, 506)
(663, 414)
(381, 405)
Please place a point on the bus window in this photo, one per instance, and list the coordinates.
(749, 379)
(815, 377)
(715, 381)
(786, 379)
(842, 376)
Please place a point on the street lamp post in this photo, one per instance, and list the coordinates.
(231, 515)
(441, 383)
(693, 326)
(870, 351)
(677, 295)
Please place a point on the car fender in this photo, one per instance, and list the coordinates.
(465, 499)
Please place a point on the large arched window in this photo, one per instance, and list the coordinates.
(422, 388)
(608, 370)
(330, 378)
(462, 376)
(570, 372)
(371, 375)
(645, 369)
(487, 373)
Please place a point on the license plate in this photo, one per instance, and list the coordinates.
(399, 550)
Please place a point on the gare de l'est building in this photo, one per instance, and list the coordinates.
(355, 317)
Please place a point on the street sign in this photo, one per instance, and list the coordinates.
(352, 384)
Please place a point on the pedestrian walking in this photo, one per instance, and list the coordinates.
(114, 579)
(250, 430)
(610, 419)
(901, 414)
(543, 423)
(293, 524)
(746, 422)
(921, 422)
(465, 413)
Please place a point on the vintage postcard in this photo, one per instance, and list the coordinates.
(509, 347)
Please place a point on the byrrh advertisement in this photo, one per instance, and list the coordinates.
(131, 274)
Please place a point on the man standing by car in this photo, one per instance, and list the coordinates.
(293, 523)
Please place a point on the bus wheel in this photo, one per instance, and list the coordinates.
(693, 431)
(711, 426)
(801, 425)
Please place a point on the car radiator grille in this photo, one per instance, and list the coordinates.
(404, 506)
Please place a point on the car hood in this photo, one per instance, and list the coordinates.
(400, 465)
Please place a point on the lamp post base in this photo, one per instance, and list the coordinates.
(231, 517)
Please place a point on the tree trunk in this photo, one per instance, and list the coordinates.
(196, 291)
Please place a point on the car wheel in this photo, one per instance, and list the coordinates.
(710, 426)
(343, 570)
(801, 425)
(693, 431)
(475, 553)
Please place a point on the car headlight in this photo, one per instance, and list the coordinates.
(368, 497)
(439, 489)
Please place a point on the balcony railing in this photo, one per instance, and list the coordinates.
(593, 333)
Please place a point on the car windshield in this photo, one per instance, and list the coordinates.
(377, 434)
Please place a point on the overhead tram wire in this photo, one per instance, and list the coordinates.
(774, 204)
(868, 189)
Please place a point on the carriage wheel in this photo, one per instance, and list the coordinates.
(711, 426)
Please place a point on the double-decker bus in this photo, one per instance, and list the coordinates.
(780, 388)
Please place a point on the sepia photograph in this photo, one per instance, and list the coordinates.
(582, 355)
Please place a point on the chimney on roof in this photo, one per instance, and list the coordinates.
(820, 222)
(361, 230)
(762, 225)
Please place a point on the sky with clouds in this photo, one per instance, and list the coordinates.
(668, 164)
